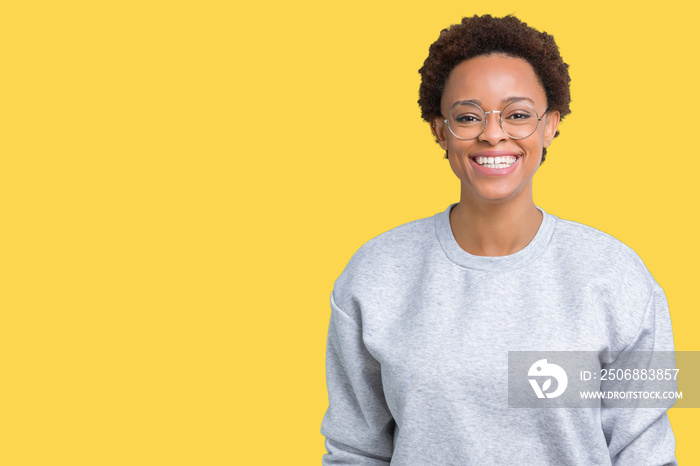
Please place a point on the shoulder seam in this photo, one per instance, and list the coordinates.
(644, 316)
(335, 305)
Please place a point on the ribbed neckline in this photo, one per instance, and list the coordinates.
(512, 261)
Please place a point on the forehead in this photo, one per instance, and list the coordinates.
(492, 80)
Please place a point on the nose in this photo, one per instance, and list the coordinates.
(493, 133)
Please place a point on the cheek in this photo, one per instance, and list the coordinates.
(455, 161)
(536, 145)
(537, 152)
(458, 160)
(457, 147)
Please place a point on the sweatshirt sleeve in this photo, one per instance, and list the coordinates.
(643, 435)
(358, 425)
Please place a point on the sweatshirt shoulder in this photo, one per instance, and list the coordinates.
(598, 251)
(396, 243)
(390, 257)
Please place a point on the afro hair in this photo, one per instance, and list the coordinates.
(485, 35)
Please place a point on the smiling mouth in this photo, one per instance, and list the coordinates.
(503, 161)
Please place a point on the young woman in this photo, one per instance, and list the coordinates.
(424, 315)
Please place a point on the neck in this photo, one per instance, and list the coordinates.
(495, 228)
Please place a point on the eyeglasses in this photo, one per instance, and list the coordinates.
(518, 120)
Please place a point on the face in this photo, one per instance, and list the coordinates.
(492, 81)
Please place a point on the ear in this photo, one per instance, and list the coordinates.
(438, 128)
(551, 123)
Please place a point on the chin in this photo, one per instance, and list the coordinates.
(496, 199)
(495, 195)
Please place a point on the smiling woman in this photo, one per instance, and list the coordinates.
(424, 316)
(495, 169)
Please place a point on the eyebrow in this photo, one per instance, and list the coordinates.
(507, 100)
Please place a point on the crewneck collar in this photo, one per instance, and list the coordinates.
(511, 261)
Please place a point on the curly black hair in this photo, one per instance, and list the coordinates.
(484, 35)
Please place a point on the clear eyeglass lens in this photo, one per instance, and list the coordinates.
(466, 120)
(518, 120)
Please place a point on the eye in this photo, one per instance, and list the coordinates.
(519, 116)
(466, 119)
(518, 112)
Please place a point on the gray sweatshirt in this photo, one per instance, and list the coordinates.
(420, 330)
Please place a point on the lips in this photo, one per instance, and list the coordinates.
(503, 161)
(495, 163)
(494, 153)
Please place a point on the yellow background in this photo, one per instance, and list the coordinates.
(182, 182)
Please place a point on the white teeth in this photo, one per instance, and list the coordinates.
(496, 162)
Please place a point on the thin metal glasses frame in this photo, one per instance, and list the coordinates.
(500, 120)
